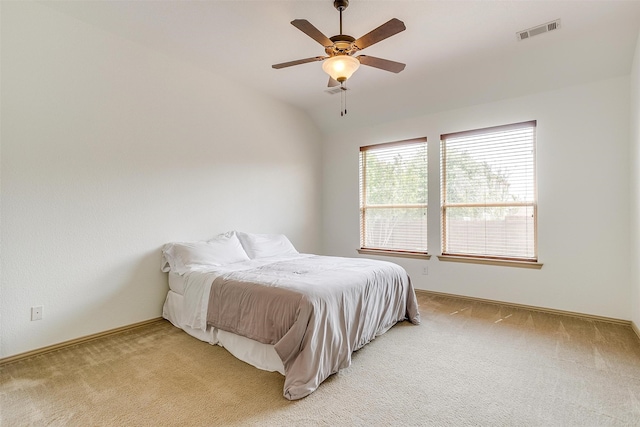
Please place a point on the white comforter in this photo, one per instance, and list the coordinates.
(335, 306)
(198, 286)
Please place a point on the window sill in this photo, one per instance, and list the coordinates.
(486, 261)
(394, 253)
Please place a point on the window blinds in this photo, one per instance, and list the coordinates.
(488, 193)
(393, 196)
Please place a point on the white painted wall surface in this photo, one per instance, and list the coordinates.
(583, 186)
(110, 150)
(635, 186)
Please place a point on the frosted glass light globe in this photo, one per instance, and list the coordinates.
(340, 67)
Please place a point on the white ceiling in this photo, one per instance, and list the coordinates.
(457, 53)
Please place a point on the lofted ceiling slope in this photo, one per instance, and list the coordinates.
(458, 53)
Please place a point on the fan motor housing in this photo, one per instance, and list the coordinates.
(342, 45)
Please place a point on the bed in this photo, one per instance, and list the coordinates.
(302, 315)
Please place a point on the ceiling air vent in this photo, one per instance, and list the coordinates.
(540, 29)
(335, 90)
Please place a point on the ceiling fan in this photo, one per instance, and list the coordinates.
(341, 64)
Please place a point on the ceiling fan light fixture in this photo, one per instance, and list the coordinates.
(339, 62)
(340, 67)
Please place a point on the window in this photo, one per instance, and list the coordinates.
(488, 193)
(393, 197)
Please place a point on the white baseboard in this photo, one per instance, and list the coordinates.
(635, 329)
(535, 308)
(69, 343)
(75, 341)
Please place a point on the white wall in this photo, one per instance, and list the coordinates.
(635, 186)
(583, 188)
(110, 150)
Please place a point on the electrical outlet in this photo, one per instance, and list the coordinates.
(425, 271)
(36, 313)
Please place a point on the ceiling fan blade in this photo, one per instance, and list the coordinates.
(383, 64)
(307, 28)
(388, 29)
(332, 82)
(298, 62)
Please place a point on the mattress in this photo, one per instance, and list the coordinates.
(325, 309)
(176, 283)
(262, 356)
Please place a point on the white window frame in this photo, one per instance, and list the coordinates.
(447, 254)
(365, 206)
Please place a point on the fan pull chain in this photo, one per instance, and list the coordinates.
(343, 99)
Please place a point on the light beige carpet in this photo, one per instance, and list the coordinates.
(468, 363)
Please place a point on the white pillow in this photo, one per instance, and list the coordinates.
(183, 257)
(265, 245)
